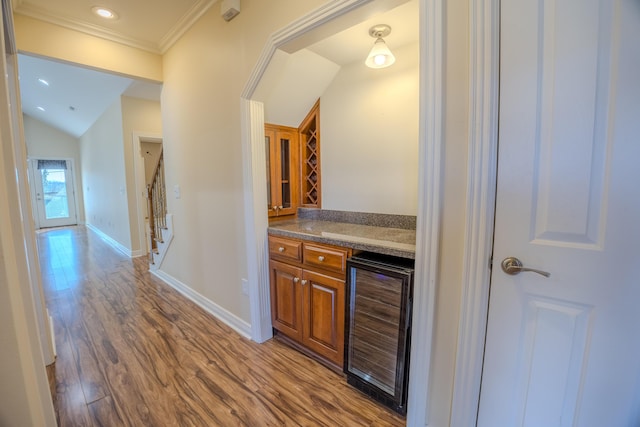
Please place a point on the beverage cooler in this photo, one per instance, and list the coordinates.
(378, 327)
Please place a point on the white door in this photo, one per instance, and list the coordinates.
(54, 199)
(565, 350)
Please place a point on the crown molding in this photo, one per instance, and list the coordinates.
(186, 22)
(168, 40)
(84, 27)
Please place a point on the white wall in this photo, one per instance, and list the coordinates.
(151, 155)
(369, 137)
(204, 75)
(56, 41)
(107, 169)
(292, 84)
(104, 177)
(24, 394)
(44, 141)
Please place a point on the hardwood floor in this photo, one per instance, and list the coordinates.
(134, 352)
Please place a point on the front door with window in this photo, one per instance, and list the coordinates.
(53, 194)
(564, 350)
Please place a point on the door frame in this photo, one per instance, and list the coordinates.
(29, 320)
(482, 149)
(33, 175)
(140, 183)
(432, 32)
(481, 177)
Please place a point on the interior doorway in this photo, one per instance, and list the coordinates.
(53, 192)
(147, 153)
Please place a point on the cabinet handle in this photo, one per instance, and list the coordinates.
(280, 249)
(296, 279)
(304, 282)
(320, 258)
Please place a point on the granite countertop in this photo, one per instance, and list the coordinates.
(400, 242)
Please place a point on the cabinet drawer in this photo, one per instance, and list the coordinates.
(285, 248)
(325, 257)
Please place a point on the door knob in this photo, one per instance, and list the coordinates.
(512, 265)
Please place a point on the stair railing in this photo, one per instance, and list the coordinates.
(157, 206)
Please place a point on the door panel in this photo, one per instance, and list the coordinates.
(324, 314)
(554, 346)
(286, 310)
(570, 139)
(563, 350)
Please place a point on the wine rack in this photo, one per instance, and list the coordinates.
(310, 158)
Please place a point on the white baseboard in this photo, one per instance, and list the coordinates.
(230, 319)
(139, 252)
(53, 336)
(114, 244)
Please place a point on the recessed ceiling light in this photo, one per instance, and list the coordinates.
(103, 12)
(40, 108)
(44, 82)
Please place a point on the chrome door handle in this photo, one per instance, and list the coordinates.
(512, 265)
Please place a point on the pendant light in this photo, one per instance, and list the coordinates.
(380, 55)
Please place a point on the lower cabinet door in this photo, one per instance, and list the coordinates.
(323, 315)
(286, 299)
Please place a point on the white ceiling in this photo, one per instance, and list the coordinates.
(91, 92)
(354, 43)
(297, 77)
(74, 98)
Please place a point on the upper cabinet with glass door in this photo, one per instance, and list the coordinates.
(281, 144)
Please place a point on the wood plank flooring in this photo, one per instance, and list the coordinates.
(134, 352)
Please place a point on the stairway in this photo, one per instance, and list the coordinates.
(160, 223)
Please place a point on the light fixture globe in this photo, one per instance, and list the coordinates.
(380, 55)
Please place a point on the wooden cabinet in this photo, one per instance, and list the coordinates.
(286, 249)
(308, 295)
(323, 315)
(286, 299)
(281, 145)
(293, 165)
